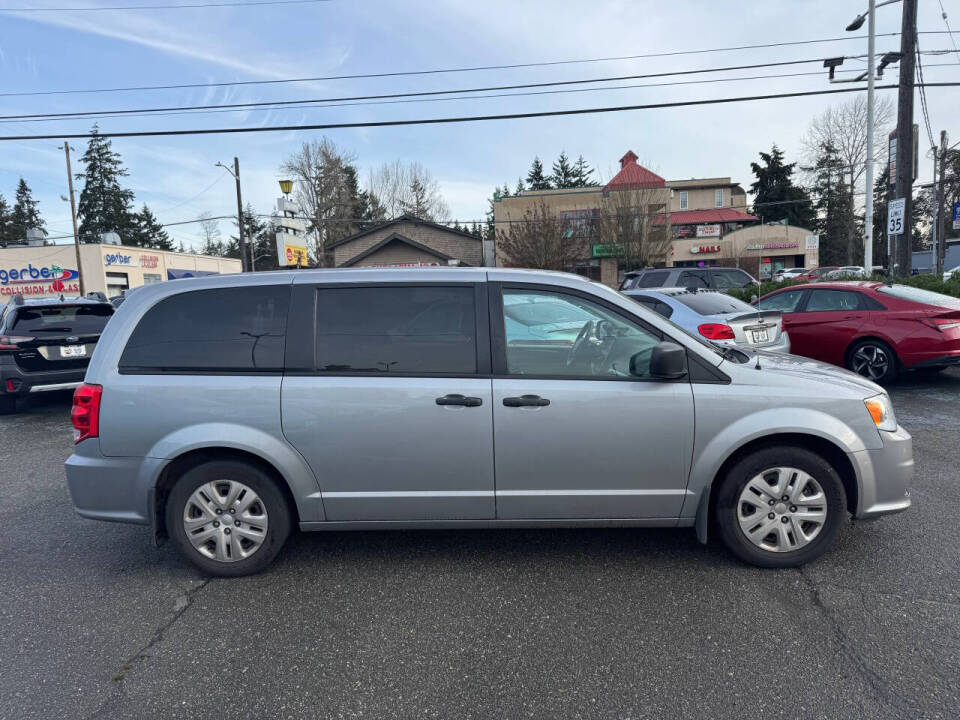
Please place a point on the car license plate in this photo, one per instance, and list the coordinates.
(760, 336)
(72, 351)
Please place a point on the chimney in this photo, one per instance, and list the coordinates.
(630, 157)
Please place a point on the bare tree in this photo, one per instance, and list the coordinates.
(540, 240)
(408, 188)
(321, 172)
(636, 221)
(210, 231)
(844, 126)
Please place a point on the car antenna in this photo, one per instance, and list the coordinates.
(760, 321)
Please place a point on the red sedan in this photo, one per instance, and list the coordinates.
(816, 273)
(872, 328)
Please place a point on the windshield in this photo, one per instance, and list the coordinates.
(927, 297)
(62, 319)
(713, 303)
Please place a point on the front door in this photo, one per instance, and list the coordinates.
(575, 434)
(827, 324)
(392, 411)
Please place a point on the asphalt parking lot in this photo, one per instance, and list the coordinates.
(95, 622)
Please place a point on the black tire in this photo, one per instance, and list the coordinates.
(8, 404)
(874, 348)
(274, 505)
(726, 507)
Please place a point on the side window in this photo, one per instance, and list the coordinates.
(784, 302)
(233, 329)
(552, 334)
(833, 301)
(376, 330)
(689, 278)
(655, 278)
(727, 279)
(658, 306)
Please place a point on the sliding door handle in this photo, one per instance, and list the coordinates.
(455, 399)
(526, 401)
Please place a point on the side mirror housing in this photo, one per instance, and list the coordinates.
(668, 361)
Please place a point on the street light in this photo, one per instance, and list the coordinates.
(286, 186)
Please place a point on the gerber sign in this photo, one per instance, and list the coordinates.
(38, 280)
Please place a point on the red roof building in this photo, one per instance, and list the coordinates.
(633, 176)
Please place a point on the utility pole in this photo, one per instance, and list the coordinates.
(903, 188)
(244, 266)
(73, 216)
(868, 204)
(940, 226)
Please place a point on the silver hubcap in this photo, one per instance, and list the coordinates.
(870, 361)
(225, 521)
(782, 509)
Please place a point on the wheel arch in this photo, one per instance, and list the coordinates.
(177, 466)
(829, 451)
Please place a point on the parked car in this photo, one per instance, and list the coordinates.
(947, 274)
(227, 410)
(789, 274)
(847, 272)
(717, 317)
(875, 329)
(814, 274)
(714, 278)
(46, 343)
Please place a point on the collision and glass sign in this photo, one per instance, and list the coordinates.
(38, 280)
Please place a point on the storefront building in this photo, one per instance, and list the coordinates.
(49, 270)
(761, 250)
(408, 241)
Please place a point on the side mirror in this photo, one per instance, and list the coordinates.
(668, 361)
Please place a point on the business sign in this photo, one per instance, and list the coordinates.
(404, 265)
(701, 249)
(811, 242)
(892, 156)
(956, 216)
(895, 213)
(773, 246)
(606, 250)
(117, 259)
(291, 251)
(38, 280)
(149, 261)
(708, 231)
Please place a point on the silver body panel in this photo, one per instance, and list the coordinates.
(378, 452)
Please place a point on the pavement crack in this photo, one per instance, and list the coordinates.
(180, 606)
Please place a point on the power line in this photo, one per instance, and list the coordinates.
(943, 14)
(99, 8)
(923, 96)
(455, 119)
(437, 71)
(425, 93)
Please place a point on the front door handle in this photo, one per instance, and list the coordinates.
(526, 401)
(455, 399)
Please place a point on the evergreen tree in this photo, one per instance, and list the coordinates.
(536, 180)
(6, 229)
(564, 175)
(148, 232)
(25, 213)
(258, 235)
(582, 173)
(520, 187)
(833, 205)
(776, 198)
(104, 205)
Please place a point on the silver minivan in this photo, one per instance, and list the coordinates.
(226, 411)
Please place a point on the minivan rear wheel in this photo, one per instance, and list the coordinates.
(780, 507)
(228, 517)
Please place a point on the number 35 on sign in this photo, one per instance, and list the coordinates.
(895, 213)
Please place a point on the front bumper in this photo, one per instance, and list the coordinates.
(111, 488)
(885, 475)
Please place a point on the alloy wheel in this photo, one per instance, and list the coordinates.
(871, 361)
(225, 520)
(782, 509)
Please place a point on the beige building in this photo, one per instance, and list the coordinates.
(48, 270)
(408, 241)
(706, 223)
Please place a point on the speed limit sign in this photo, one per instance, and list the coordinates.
(895, 212)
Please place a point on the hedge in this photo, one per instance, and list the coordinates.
(927, 282)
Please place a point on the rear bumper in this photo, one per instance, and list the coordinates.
(885, 474)
(111, 488)
(23, 382)
(939, 361)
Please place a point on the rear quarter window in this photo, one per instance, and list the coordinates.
(230, 329)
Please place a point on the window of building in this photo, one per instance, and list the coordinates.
(543, 342)
(233, 329)
(151, 278)
(684, 199)
(580, 222)
(117, 282)
(430, 330)
(718, 198)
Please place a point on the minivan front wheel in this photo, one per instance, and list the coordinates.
(227, 517)
(780, 507)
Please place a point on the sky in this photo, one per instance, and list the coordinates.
(177, 176)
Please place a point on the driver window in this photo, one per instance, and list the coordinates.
(559, 335)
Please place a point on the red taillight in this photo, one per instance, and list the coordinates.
(11, 342)
(942, 323)
(85, 414)
(716, 331)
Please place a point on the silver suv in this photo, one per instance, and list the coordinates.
(227, 411)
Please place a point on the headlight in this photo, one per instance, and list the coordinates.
(881, 410)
